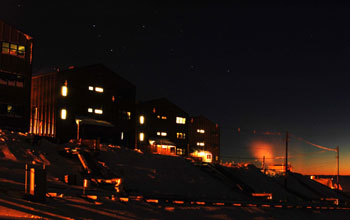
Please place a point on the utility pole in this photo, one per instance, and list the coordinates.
(286, 165)
(263, 163)
(286, 162)
(337, 167)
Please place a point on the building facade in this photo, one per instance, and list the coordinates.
(162, 127)
(84, 102)
(15, 78)
(204, 135)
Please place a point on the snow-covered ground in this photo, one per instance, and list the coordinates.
(148, 175)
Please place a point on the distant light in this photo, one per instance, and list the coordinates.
(99, 111)
(129, 114)
(202, 131)
(122, 135)
(142, 119)
(91, 88)
(63, 114)
(90, 110)
(141, 136)
(180, 120)
(64, 90)
(99, 89)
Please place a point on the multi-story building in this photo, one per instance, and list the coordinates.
(162, 127)
(84, 102)
(204, 135)
(15, 77)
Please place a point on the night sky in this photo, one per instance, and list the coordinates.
(277, 67)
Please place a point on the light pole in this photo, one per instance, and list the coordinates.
(77, 121)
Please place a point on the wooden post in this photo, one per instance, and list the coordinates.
(286, 165)
(337, 167)
(286, 162)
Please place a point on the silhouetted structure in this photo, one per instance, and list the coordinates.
(204, 135)
(15, 77)
(162, 127)
(91, 100)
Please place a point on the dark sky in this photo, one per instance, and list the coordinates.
(273, 67)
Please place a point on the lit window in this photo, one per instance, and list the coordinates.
(63, 114)
(128, 114)
(162, 117)
(162, 133)
(141, 136)
(5, 48)
(180, 135)
(122, 136)
(180, 120)
(200, 144)
(142, 119)
(91, 88)
(216, 157)
(9, 108)
(179, 151)
(90, 110)
(99, 89)
(13, 49)
(64, 90)
(99, 111)
(21, 51)
(202, 131)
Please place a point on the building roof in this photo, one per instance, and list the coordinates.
(2, 23)
(165, 102)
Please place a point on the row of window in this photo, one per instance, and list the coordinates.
(201, 144)
(201, 131)
(96, 111)
(13, 49)
(11, 80)
(179, 135)
(179, 120)
(97, 89)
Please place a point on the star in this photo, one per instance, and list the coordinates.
(94, 25)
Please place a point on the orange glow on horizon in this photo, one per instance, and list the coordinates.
(260, 149)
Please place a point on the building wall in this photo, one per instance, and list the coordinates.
(160, 116)
(113, 102)
(43, 100)
(15, 77)
(204, 135)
